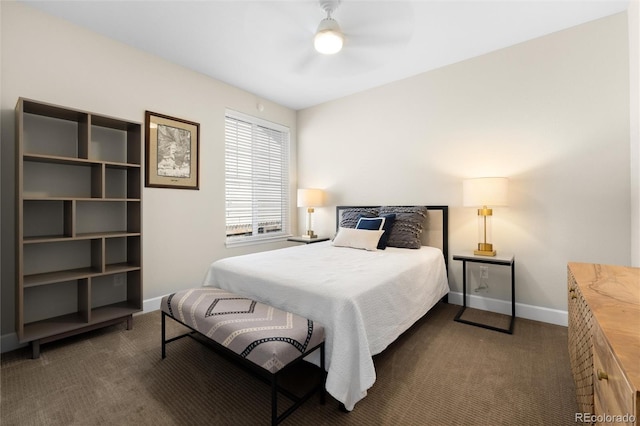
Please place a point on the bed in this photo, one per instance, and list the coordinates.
(365, 298)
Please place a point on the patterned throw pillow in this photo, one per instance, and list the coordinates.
(406, 230)
(349, 218)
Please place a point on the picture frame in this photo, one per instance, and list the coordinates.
(172, 152)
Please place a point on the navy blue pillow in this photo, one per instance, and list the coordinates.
(370, 223)
(389, 219)
(375, 223)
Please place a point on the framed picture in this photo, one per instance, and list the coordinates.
(172, 151)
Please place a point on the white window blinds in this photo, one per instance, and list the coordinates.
(256, 178)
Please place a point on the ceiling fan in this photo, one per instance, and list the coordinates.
(329, 38)
(369, 35)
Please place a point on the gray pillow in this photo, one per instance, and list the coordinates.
(349, 218)
(406, 230)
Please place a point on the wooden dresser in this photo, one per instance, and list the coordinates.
(604, 341)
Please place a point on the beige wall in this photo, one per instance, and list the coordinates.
(49, 60)
(552, 114)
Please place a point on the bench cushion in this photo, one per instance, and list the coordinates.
(268, 337)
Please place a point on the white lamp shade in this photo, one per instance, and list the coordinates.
(328, 39)
(311, 197)
(484, 192)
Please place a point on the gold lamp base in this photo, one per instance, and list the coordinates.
(485, 249)
(310, 235)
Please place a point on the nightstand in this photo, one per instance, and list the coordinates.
(307, 240)
(499, 259)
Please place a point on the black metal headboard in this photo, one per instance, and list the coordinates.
(436, 231)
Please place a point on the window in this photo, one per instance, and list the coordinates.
(256, 179)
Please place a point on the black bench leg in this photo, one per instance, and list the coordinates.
(323, 377)
(274, 400)
(164, 352)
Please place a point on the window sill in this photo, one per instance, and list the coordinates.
(257, 240)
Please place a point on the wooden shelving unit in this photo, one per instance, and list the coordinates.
(79, 221)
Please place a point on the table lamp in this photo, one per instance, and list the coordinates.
(310, 198)
(484, 193)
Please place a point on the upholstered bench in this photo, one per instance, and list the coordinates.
(261, 338)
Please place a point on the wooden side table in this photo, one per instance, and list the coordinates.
(499, 259)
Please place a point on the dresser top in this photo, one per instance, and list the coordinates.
(613, 295)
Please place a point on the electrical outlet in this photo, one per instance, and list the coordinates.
(119, 280)
(484, 272)
(484, 279)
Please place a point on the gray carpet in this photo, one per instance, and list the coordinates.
(439, 372)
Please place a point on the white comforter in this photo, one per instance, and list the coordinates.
(364, 299)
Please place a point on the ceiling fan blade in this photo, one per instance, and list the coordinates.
(387, 24)
(306, 64)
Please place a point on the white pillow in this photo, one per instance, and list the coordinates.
(358, 238)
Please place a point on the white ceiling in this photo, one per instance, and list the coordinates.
(266, 47)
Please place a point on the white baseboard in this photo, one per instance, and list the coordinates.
(151, 304)
(9, 342)
(536, 313)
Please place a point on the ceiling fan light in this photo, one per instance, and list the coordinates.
(328, 39)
